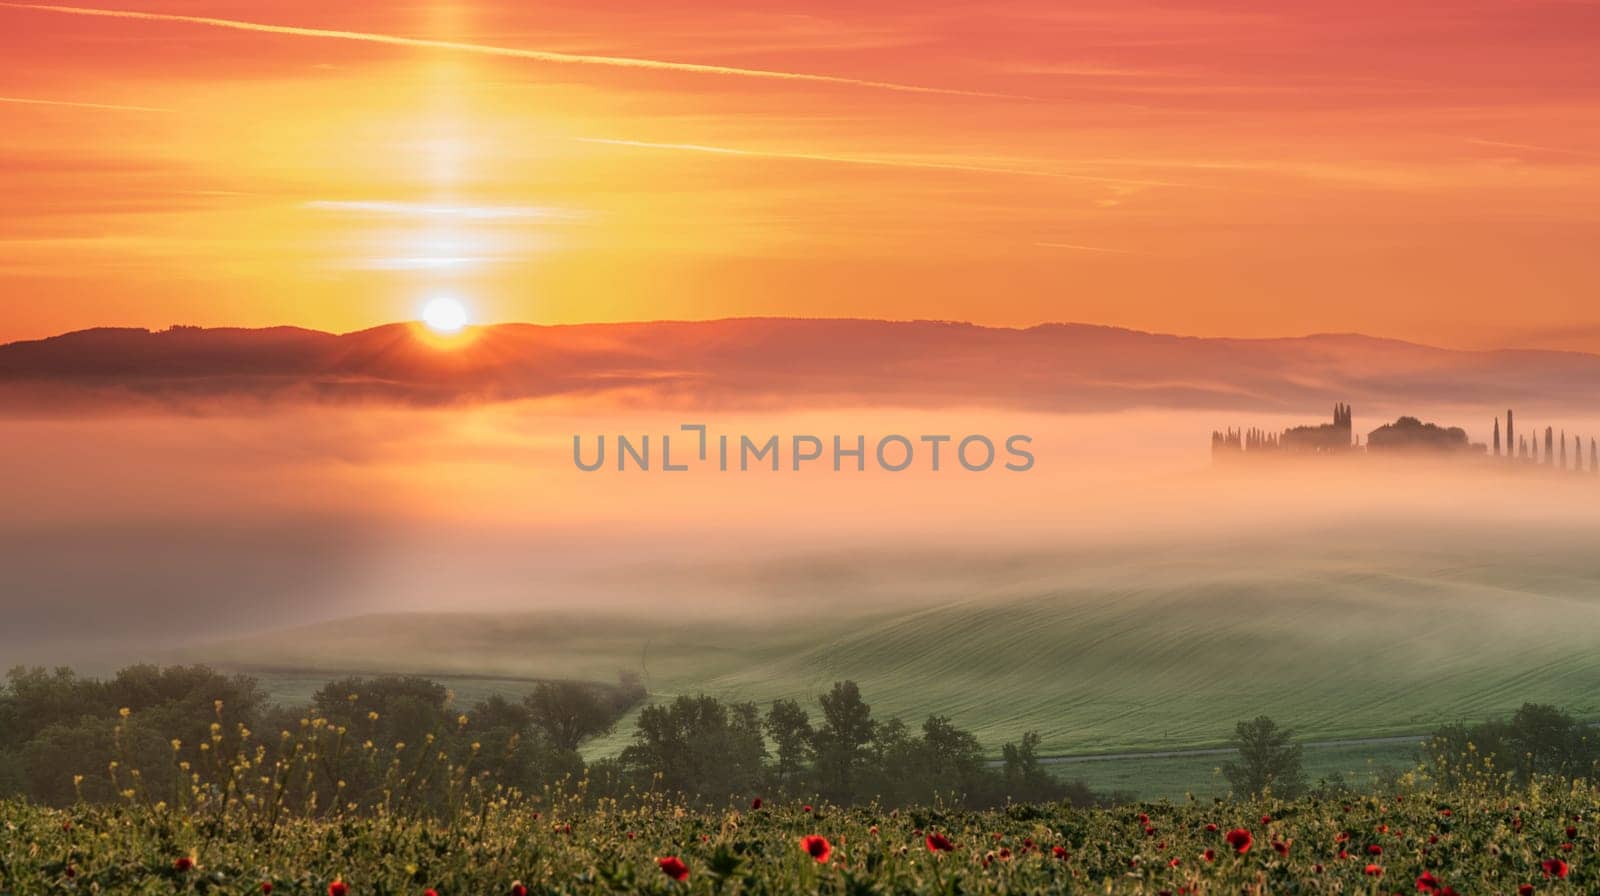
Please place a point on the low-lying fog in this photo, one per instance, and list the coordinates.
(127, 535)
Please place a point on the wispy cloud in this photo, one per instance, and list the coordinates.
(435, 210)
(74, 104)
(492, 50)
(874, 160)
(1531, 147)
(1078, 247)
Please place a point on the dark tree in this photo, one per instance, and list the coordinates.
(842, 740)
(1547, 741)
(789, 726)
(952, 760)
(1268, 760)
(698, 746)
(569, 712)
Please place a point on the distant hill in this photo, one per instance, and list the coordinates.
(778, 362)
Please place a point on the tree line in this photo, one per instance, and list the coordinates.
(366, 740)
(147, 732)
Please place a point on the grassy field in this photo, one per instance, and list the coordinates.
(1156, 656)
(1411, 842)
(1176, 778)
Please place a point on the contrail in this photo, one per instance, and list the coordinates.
(1534, 147)
(512, 52)
(1082, 248)
(869, 160)
(28, 101)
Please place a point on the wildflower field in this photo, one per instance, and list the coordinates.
(1538, 841)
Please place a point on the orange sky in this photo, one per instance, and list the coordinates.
(1227, 168)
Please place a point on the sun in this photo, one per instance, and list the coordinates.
(444, 315)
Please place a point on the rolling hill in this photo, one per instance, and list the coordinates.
(781, 363)
(1164, 655)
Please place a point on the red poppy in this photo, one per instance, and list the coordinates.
(755, 803)
(430, 892)
(1149, 830)
(1209, 856)
(1374, 870)
(1004, 853)
(1571, 831)
(1143, 818)
(266, 886)
(1525, 890)
(517, 889)
(673, 867)
(1566, 847)
(1554, 868)
(1446, 813)
(338, 888)
(1266, 819)
(1374, 849)
(817, 847)
(939, 843)
(1173, 863)
(182, 863)
(1281, 847)
(806, 808)
(1240, 840)
(1317, 868)
(1211, 828)
(1427, 883)
(1059, 852)
(71, 872)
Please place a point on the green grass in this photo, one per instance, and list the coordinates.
(1145, 656)
(1176, 778)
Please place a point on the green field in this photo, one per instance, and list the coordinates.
(1105, 658)
(1177, 778)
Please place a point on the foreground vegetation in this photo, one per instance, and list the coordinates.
(382, 787)
(1416, 839)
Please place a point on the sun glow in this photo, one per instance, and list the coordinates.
(444, 315)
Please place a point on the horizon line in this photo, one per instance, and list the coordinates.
(800, 318)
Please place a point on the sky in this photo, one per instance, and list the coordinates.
(1428, 172)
